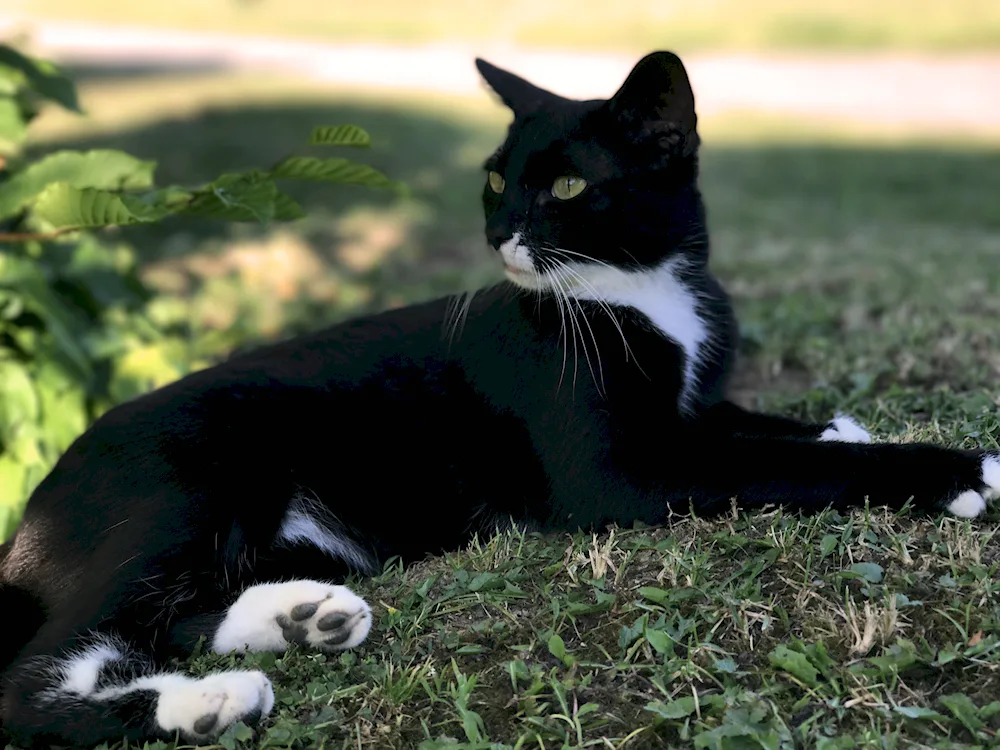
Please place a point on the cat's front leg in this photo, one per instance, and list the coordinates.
(271, 616)
(813, 475)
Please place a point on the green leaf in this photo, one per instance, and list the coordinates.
(964, 709)
(660, 641)
(337, 170)
(486, 581)
(654, 594)
(63, 406)
(249, 196)
(19, 412)
(101, 169)
(13, 485)
(44, 77)
(339, 135)
(238, 732)
(676, 709)
(25, 277)
(917, 712)
(871, 572)
(13, 128)
(63, 207)
(557, 647)
(794, 663)
(828, 544)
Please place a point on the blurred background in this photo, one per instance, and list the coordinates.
(851, 169)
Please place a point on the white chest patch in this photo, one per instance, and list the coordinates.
(661, 297)
(658, 293)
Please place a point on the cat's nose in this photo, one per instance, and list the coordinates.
(498, 233)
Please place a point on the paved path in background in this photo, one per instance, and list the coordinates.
(944, 94)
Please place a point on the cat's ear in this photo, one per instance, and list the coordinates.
(519, 95)
(656, 101)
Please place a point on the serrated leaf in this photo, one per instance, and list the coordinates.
(44, 77)
(250, 196)
(795, 664)
(337, 170)
(101, 169)
(339, 135)
(63, 207)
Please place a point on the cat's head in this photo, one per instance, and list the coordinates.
(581, 186)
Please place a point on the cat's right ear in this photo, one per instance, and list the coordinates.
(519, 95)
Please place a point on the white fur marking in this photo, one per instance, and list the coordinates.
(991, 476)
(658, 293)
(184, 703)
(197, 708)
(252, 623)
(660, 296)
(844, 429)
(308, 520)
(517, 257)
(80, 672)
(967, 505)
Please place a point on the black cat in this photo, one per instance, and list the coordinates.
(588, 389)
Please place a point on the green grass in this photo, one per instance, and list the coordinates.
(865, 268)
(639, 25)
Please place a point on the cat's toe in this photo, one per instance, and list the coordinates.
(340, 620)
(844, 429)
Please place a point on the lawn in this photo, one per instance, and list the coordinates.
(635, 26)
(865, 267)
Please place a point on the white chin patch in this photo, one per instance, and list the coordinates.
(518, 265)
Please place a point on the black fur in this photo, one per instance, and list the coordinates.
(422, 426)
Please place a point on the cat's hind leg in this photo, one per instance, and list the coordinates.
(101, 688)
(271, 616)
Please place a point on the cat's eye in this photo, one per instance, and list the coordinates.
(567, 187)
(497, 182)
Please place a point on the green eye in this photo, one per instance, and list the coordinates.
(567, 187)
(496, 182)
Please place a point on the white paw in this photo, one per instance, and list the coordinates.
(967, 505)
(991, 476)
(271, 616)
(843, 429)
(203, 708)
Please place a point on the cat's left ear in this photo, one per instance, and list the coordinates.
(518, 94)
(656, 100)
